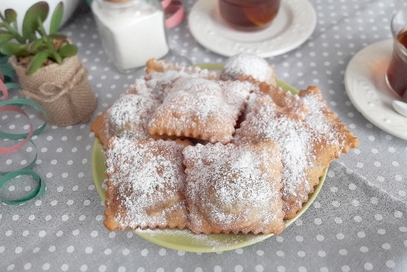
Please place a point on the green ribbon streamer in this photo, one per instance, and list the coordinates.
(39, 189)
(40, 186)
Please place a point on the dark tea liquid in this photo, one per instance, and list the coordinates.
(397, 71)
(248, 15)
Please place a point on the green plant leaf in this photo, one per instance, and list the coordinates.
(10, 16)
(37, 61)
(11, 29)
(36, 45)
(10, 49)
(56, 56)
(56, 18)
(6, 36)
(30, 23)
(68, 50)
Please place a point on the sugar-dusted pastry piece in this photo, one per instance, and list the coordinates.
(322, 119)
(129, 115)
(100, 127)
(145, 180)
(232, 189)
(305, 152)
(160, 75)
(249, 65)
(140, 87)
(288, 102)
(201, 108)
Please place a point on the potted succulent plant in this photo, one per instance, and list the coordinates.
(47, 64)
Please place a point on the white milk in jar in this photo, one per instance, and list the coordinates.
(132, 31)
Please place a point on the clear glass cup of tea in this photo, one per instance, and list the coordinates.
(396, 76)
(248, 15)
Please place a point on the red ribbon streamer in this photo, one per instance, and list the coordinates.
(174, 12)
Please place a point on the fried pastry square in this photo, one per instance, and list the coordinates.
(290, 103)
(161, 75)
(140, 87)
(232, 189)
(305, 152)
(129, 115)
(145, 180)
(321, 118)
(201, 109)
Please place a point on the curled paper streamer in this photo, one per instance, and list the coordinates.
(174, 12)
(14, 106)
(39, 189)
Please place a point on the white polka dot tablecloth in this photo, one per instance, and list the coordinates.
(358, 222)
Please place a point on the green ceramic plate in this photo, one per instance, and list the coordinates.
(184, 239)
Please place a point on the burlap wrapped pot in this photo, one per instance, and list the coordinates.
(62, 90)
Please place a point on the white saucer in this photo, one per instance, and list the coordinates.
(293, 25)
(366, 87)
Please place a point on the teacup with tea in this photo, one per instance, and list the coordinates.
(396, 76)
(248, 15)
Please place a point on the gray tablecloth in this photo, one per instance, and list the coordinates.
(357, 223)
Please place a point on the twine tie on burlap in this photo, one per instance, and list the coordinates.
(51, 91)
(62, 90)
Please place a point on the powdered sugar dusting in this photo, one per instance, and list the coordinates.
(249, 65)
(146, 174)
(230, 186)
(188, 70)
(200, 108)
(129, 115)
(317, 119)
(160, 82)
(140, 87)
(264, 123)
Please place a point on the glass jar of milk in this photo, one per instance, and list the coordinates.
(131, 31)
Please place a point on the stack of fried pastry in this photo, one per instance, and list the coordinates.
(215, 152)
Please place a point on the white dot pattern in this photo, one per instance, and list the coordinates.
(357, 223)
